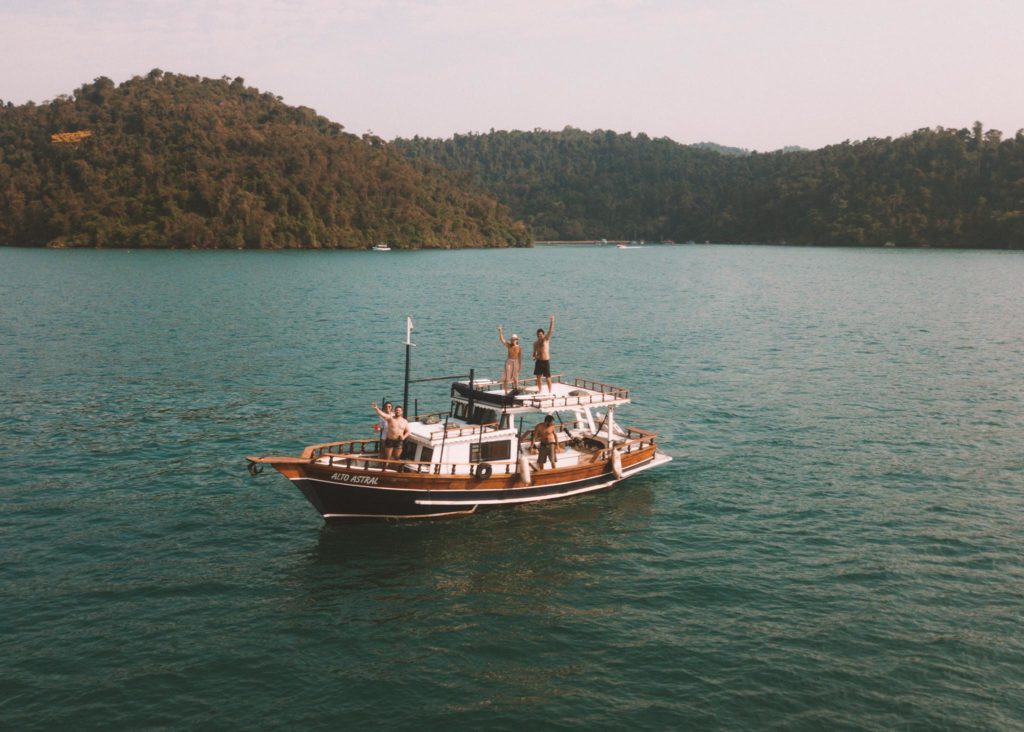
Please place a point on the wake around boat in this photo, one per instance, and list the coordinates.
(480, 453)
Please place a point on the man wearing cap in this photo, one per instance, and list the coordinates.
(512, 362)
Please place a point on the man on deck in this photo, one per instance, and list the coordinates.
(548, 436)
(397, 431)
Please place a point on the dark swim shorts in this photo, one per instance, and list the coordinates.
(542, 367)
(392, 443)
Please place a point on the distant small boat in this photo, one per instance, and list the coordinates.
(631, 245)
(380, 248)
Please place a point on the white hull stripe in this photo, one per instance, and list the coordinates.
(528, 499)
(402, 516)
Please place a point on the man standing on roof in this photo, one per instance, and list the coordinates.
(513, 362)
(542, 354)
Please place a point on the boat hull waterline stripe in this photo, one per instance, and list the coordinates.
(532, 499)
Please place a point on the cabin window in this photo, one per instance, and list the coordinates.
(427, 455)
(480, 415)
(408, 450)
(482, 452)
(476, 415)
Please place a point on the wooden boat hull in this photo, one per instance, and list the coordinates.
(341, 493)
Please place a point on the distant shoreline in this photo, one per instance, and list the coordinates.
(544, 243)
(555, 242)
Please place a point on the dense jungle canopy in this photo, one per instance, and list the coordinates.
(177, 161)
(933, 187)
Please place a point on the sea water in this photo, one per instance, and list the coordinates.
(837, 544)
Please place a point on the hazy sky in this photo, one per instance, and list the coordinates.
(759, 75)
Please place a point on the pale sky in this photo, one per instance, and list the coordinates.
(759, 75)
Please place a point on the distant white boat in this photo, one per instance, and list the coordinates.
(634, 245)
(380, 248)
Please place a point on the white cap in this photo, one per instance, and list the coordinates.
(515, 337)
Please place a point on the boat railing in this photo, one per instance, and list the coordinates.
(484, 384)
(617, 391)
(639, 437)
(635, 438)
(600, 392)
(339, 448)
(603, 392)
(365, 462)
(563, 429)
(362, 447)
(363, 454)
(431, 418)
(550, 401)
(461, 430)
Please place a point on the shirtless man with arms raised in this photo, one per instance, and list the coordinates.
(542, 355)
(398, 430)
(513, 362)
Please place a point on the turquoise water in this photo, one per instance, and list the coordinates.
(837, 544)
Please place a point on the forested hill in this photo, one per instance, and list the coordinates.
(934, 187)
(178, 161)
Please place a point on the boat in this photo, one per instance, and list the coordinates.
(631, 245)
(380, 248)
(476, 455)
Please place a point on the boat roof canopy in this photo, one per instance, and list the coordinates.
(562, 397)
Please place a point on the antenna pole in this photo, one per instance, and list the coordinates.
(408, 357)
